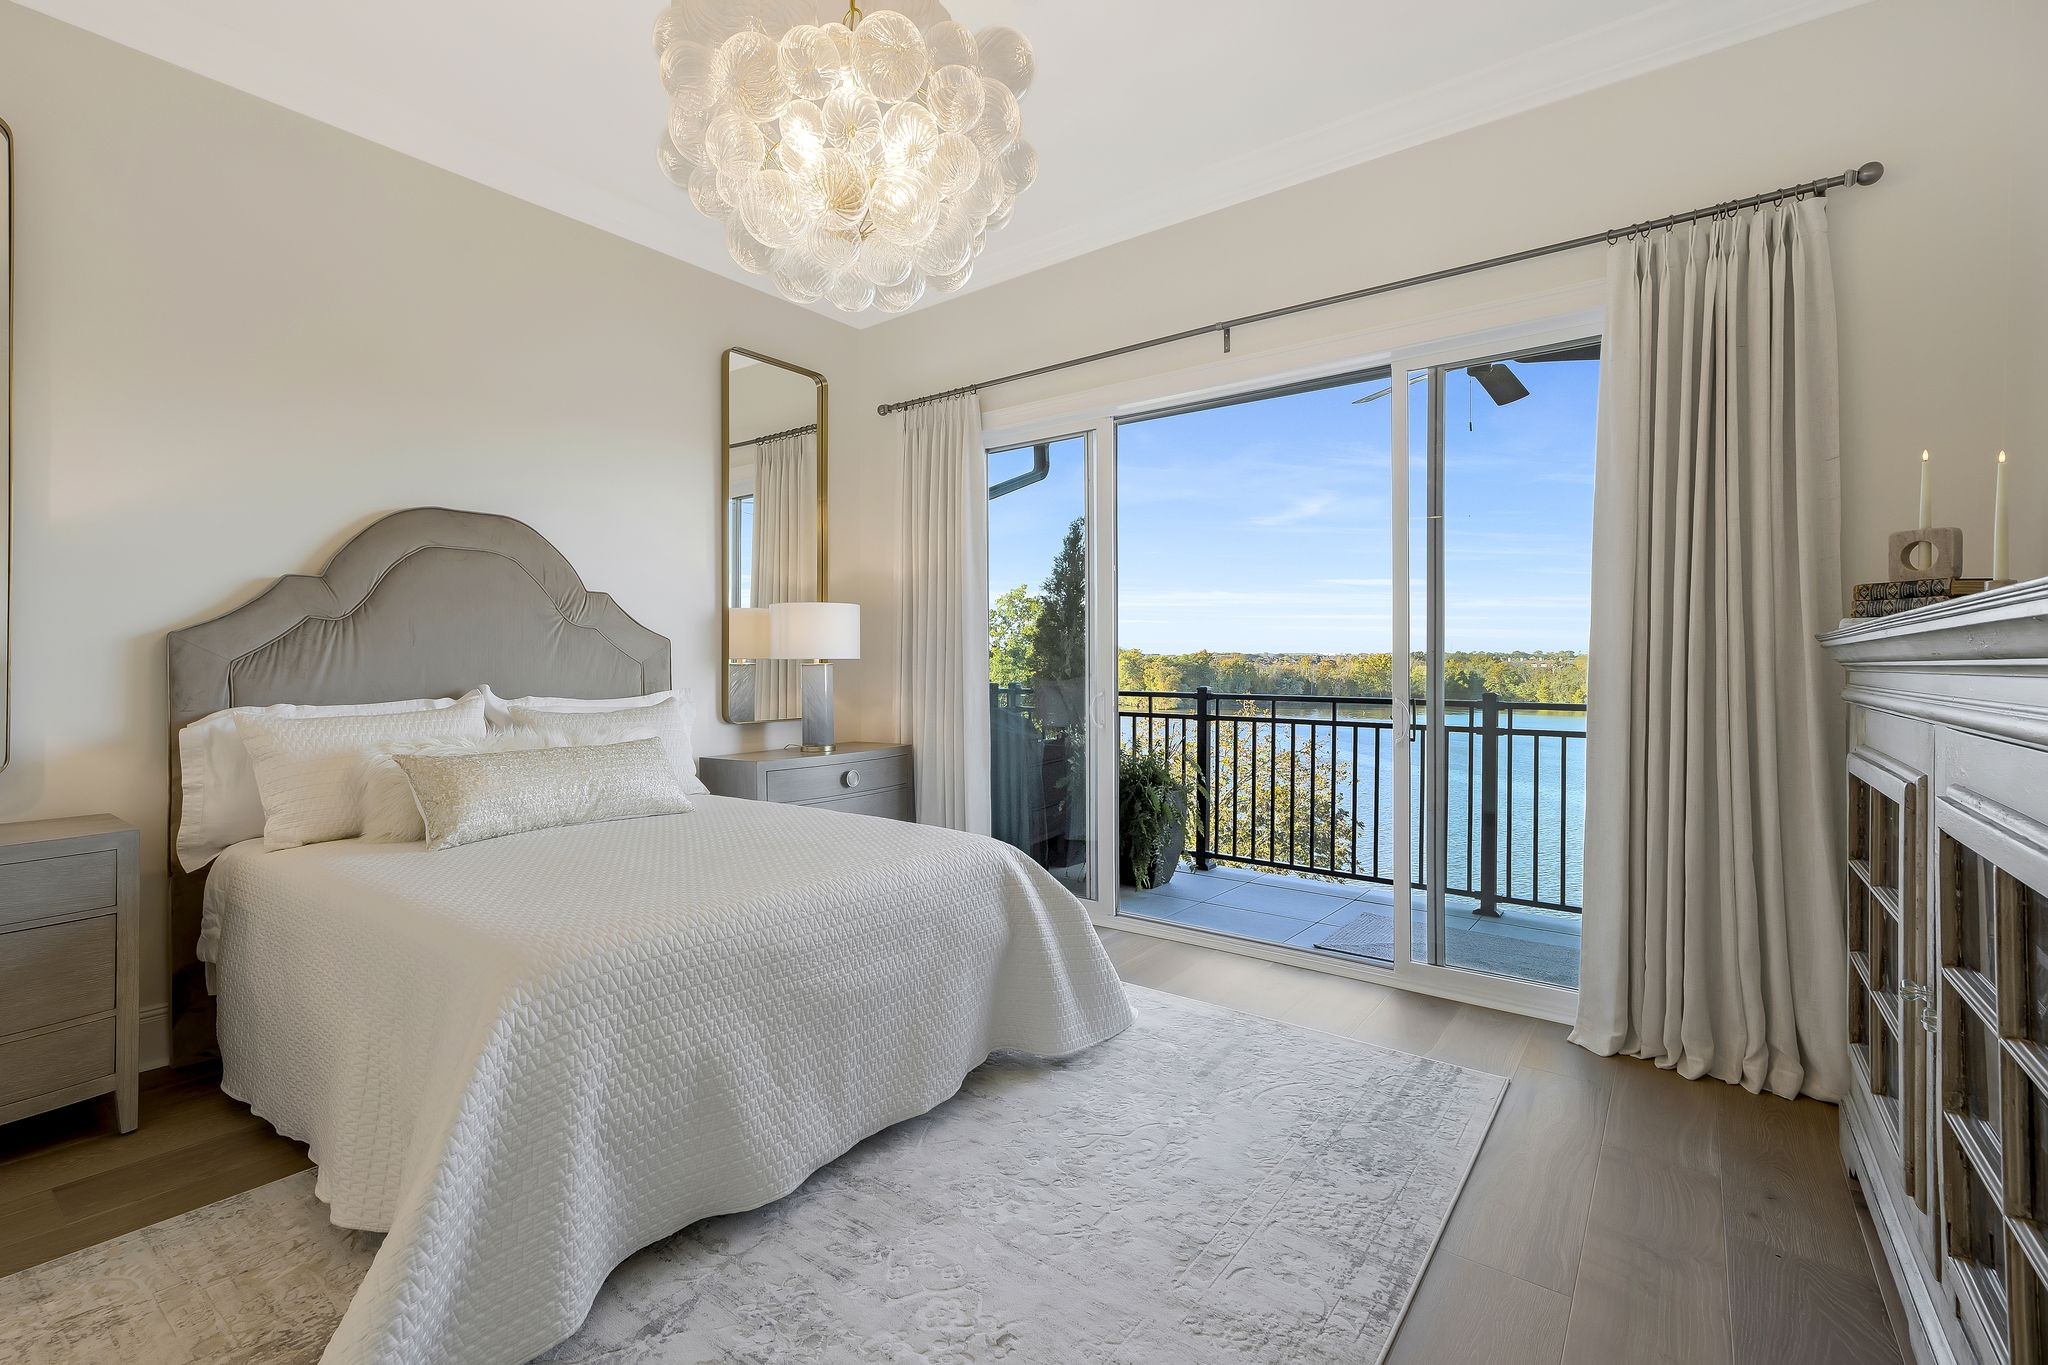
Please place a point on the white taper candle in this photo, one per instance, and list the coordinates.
(1998, 523)
(1926, 494)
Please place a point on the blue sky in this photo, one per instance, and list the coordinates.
(1264, 527)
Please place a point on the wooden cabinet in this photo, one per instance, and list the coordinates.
(861, 779)
(1945, 1126)
(68, 984)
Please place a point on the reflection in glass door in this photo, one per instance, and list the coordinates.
(1041, 657)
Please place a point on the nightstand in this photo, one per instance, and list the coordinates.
(867, 779)
(69, 898)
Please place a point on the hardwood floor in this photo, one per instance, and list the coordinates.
(68, 1179)
(1617, 1213)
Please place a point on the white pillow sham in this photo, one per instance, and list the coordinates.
(668, 720)
(219, 805)
(464, 798)
(311, 772)
(391, 815)
(498, 710)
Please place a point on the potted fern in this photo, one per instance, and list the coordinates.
(1152, 812)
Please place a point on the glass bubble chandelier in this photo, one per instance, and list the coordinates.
(860, 158)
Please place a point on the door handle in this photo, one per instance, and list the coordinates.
(1919, 996)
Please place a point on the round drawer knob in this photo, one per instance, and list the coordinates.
(849, 778)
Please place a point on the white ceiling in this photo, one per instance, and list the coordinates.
(1145, 112)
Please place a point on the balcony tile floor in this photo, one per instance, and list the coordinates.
(1275, 907)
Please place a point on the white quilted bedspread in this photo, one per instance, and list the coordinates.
(529, 1057)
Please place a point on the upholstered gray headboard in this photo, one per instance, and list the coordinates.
(426, 602)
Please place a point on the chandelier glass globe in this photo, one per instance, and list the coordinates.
(860, 158)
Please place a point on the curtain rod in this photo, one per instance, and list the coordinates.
(773, 436)
(1869, 173)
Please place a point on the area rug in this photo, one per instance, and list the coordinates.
(1209, 1186)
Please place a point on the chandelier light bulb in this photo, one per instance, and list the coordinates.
(857, 157)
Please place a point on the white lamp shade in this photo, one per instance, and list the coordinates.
(748, 629)
(814, 630)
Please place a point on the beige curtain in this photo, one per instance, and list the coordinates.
(785, 554)
(944, 607)
(1712, 926)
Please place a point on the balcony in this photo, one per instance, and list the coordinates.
(1290, 830)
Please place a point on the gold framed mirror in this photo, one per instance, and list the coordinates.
(771, 527)
(6, 435)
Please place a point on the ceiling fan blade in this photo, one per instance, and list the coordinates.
(1501, 383)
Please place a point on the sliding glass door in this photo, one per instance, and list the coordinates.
(1051, 786)
(1349, 616)
(1500, 492)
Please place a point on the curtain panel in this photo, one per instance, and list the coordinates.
(785, 553)
(944, 611)
(1712, 930)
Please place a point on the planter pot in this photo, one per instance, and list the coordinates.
(1164, 860)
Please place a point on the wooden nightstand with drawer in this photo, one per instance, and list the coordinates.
(867, 779)
(69, 892)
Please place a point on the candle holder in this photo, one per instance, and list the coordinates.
(1944, 559)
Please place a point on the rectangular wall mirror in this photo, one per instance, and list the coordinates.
(6, 430)
(774, 525)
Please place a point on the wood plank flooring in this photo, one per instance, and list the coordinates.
(1616, 1213)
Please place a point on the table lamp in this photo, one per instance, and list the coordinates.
(815, 632)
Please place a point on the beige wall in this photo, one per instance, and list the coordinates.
(1943, 345)
(242, 335)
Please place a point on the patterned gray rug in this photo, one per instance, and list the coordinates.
(1207, 1187)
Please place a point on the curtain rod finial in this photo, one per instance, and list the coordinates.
(1869, 173)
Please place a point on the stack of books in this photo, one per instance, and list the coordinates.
(1888, 599)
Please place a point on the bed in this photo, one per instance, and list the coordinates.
(526, 1058)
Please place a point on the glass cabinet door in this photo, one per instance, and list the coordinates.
(1886, 931)
(1990, 866)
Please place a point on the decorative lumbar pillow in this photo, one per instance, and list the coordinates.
(392, 816)
(311, 772)
(464, 798)
(219, 805)
(669, 720)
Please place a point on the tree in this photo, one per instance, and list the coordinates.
(1059, 644)
(1012, 626)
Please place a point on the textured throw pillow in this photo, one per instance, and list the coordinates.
(392, 816)
(219, 805)
(311, 772)
(464, 798)
(668, 720)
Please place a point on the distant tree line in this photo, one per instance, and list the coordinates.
(1039, 640)
(1519, 675)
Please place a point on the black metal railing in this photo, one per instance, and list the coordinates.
(1303, 784)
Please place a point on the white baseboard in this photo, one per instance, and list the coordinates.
(155, 1039)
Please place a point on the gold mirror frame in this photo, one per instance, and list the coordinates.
(6, 440)
(725, 512)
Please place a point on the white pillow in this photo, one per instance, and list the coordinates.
(311, 771)
(391, 815)
(219, 805)
(667, 720)
(498, 710)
